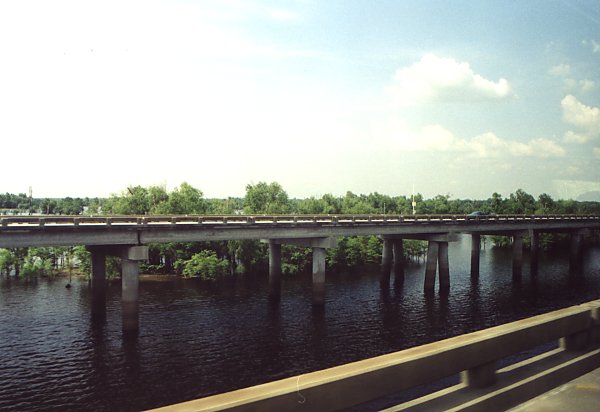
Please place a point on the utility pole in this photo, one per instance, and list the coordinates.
(414, 204)
(30, 199)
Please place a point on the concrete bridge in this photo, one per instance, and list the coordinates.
(127, 237)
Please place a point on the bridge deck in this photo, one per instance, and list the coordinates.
(145, 221)
(580, 394)
(21, 231)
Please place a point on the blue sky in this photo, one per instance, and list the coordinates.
(461, 98)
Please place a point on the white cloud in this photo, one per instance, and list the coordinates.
(595, 45)
(570, 84)
(435, 78)
(584, 117)
(546, 148)
(572, 137)
(564, 71)
(561, 70)
(436, 138)
(490, 145)
(587, 85)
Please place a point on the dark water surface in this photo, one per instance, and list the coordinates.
(199, 338)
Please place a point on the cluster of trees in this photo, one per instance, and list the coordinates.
(10, 201)
(45, 261)
(22, 204)
(271, 198)
(208, 260)
(519, 202)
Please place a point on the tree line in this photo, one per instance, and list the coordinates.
(211, 259)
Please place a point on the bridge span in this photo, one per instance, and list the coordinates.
(128, 237)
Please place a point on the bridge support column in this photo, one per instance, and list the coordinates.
(444, 267)
(386, 262)
(517, 266)
(431, 266)
(274, 270)
(398, 269)
(130, 259)
(319, 246)
(475, 253)
(318, 276)
(129, 280)
(437, 256)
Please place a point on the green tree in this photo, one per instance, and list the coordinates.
(545, 204)
(134, 201)
(229, 206)
(204, 264)
(185, 199)
(157, 197)
(520, 202)
(69, 206)
(567, 207)
(48, 206)
(83, 258)
(495, 203)
(311, 206)
(266, 198)
(6, 261)
(357, 205)
(39, 261)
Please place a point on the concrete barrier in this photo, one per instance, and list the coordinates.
(474, 355)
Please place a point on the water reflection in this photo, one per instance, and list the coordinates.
(130, 320)
(97, 297)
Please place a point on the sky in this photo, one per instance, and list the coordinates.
(461, 98)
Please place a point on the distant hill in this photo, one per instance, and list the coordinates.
(593, 196)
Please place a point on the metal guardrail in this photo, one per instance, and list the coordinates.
(333, 219)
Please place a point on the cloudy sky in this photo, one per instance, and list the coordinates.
(464, 98)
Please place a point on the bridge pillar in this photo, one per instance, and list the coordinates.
(398, 252)
(431, 266)
(437, 256)
(98, 275)
(274, 270)
(130, 259)
(318, 276)
(444, 267)
(318, 246)
(386, 262)
(129, 280)
(475, 253)
(517, 267)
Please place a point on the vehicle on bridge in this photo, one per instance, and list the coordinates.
(477, 214)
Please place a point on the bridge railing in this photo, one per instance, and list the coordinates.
(474, 355)
(332, 219)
